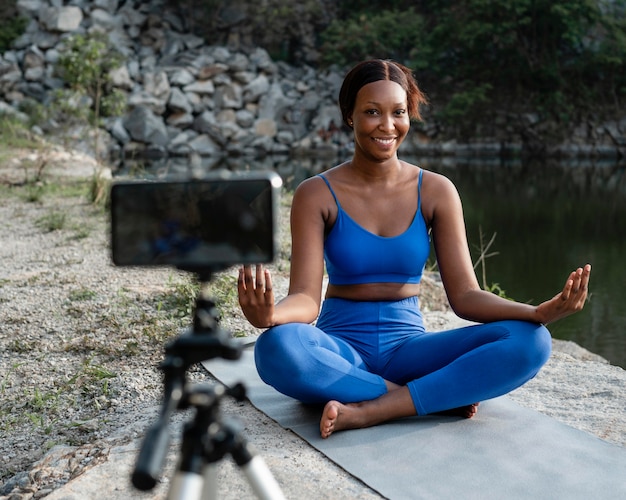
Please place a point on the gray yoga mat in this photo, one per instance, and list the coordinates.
(505, 452)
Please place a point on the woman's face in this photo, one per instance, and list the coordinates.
(380, 119)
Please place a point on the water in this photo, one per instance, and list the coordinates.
(548, 219)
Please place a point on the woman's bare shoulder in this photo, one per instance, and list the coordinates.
(315, 186)
(437, 180)
(310, 189)
(312, 198)
(437, 191)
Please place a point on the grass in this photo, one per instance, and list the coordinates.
(223, 289)
(14, 134)
(82, 294)
(33, 193)
(179, 300)
(53, 221)
(43, 408)
(98, 191)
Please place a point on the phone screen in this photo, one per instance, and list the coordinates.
(194, 225)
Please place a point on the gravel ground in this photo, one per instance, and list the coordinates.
(81, 341)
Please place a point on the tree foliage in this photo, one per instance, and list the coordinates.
(388, 34)
(562, 59)
(12, 25)
(545, 54)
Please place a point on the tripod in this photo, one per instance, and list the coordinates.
(207, 438)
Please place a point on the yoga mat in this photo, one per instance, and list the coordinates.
(505, 452)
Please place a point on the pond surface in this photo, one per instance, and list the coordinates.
(547, 219)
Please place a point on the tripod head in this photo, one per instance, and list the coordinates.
(205, 339)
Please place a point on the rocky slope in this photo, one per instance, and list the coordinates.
(186, 98)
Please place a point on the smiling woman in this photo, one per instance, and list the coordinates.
(369, 220)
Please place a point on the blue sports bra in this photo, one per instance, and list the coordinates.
(354, 255)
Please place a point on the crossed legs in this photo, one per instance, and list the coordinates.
(422, 374)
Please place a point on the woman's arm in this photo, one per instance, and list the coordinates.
(302, 303)
(457, 273)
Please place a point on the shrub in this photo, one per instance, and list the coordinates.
(85, 65)
(12, 25)
(384, 34)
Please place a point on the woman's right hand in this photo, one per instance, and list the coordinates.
(256, 296)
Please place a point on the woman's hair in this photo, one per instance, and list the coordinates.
(375, 70)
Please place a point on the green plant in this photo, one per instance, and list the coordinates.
(180, 300)
(223, 290)
(36, 111)
(295, 23)
(81, 232)
(97, 372)
(497, 290)
(20, 345)
(5, 380)
(54, 221)
(482, 261)
(81, 294)
(99, 190)
(39, 401)
(33, 192)
(384, 34)
(542, 55)
(463, 106)
(12, 25)
(14, 133)
(85, 65)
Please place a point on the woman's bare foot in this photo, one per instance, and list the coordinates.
(463, 411)
(337, 416)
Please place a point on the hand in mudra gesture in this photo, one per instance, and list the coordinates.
(570, 300)
(256, 296)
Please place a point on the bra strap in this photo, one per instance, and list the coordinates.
(419, 191)
(331, 189)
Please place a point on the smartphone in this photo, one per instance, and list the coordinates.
(195, 225)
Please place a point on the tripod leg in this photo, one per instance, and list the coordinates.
(209, 490)
(185, 486)
(261, 480)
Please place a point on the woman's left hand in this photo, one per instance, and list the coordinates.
(570, 300)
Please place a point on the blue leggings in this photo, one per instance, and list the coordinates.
(356, 346)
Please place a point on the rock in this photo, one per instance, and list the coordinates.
(204, 146)
(144, 126)
(64, 19)
(577, 352)
(201, 87)
(120, 78)
(265, 127)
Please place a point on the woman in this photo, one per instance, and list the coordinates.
(368, 358)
